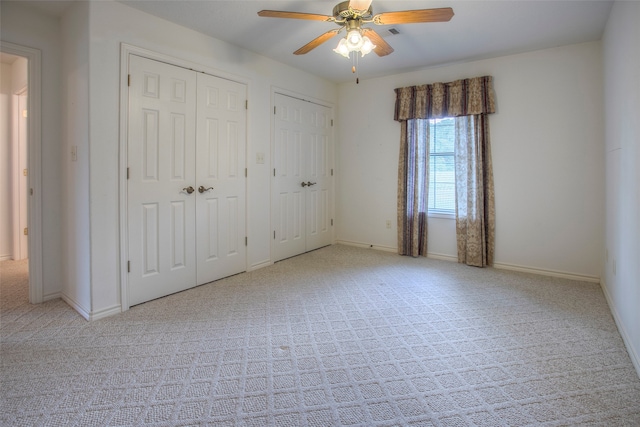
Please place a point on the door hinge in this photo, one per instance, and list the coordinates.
(331, 172)
(127, 173)
(332, 221)
(26, 231)
(31, 191)
(128, 266)
(274, 234)
(128, 79)
(245, 172)
(246, 104)
(246, 241)
(274, 109)
(274, 171)
(332, 122)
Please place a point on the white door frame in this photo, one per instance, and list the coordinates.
(125, 51)
(34, 162)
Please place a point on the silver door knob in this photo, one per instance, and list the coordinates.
(309, 183)
(188, 189)
(304, 184)
(201, 189)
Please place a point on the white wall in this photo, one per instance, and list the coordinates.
(112, 23)
(547, 142)
(621, 271)
(6, 194)
(24, 26)
(75, 101)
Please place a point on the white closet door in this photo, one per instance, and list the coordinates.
(220, 165)
(288, 202)
(317, 158)
(161, 161)
(302, 196)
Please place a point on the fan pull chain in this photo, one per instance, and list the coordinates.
(354, 69)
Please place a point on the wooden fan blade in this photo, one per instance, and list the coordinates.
(414, 16)
(382, 47)
(295, 15)
(316, 42)
(360, 4)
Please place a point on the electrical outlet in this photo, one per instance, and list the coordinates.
(389, 223)
(260, 158)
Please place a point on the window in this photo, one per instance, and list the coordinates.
(442, 174)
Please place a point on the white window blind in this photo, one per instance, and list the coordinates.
(442, 175)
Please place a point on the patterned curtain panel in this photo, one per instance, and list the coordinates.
(413, 188)
(470, 100)
(475, 208)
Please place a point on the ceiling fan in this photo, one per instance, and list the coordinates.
(351, 15)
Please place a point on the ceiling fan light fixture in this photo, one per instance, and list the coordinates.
(367, 46)
(354, 40)
(342, 48)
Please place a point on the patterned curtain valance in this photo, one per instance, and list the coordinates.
(459, 98)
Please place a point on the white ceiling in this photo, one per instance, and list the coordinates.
(479, 29)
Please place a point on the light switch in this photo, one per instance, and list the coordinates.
(260, 158)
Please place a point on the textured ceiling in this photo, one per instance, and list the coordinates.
(479, 29)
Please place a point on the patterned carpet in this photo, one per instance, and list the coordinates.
(337, 337)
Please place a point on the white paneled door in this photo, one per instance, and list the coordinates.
(220, 169)
(302, 195)
(186, 183)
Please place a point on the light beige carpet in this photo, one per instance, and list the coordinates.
(339, 336)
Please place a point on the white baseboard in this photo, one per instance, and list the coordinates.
(442, 257)
(6, 257)
(432, 255)
(89, 315)
(367, 245)
(49, 297)
(545, 272)
(626, 338)
(261, 264)
(77, 307)
(105, 312)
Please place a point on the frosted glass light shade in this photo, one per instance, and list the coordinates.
(367, 46)
(354, 42)
(342, 48)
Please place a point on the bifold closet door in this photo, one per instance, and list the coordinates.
(302, 196)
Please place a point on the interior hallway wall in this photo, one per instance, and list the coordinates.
(621, 263)
(24, 26)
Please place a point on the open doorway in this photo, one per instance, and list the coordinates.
(14, 224)
(20, 165)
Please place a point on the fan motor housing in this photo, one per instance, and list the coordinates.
(342, 11)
